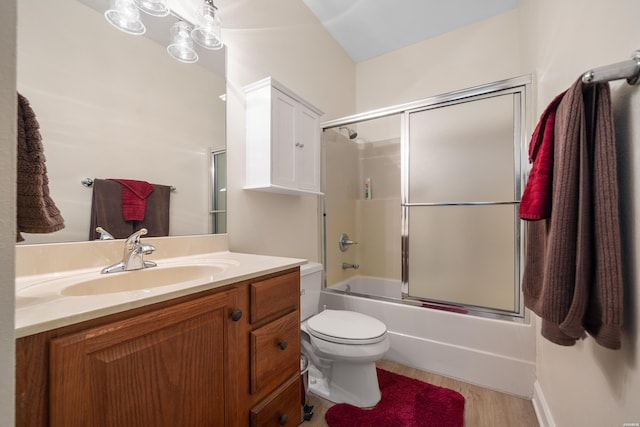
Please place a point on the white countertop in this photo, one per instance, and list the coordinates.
(41, 304)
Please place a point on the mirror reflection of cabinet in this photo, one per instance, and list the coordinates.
(283, 140)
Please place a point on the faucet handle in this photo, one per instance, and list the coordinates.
(345, 242)
(134, 239)
(104, 234)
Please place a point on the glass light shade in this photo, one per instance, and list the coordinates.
(207, 30)
(153, 7)
(125, 16)
(181, 47)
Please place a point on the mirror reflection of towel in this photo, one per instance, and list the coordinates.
(134, 198)
(106, 211)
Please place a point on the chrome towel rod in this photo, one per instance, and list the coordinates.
(629, 69)
(88, 182)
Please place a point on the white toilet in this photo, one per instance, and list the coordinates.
(341, 346)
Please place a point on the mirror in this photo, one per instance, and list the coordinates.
(114, 105)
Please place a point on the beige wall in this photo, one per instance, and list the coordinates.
(115, 105)
(281, 39)
(379, 219)
(375, 223)
(480, 53)
(587, 385)
(341, 200)
(7, 206)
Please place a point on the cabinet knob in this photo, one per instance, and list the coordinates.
(282, 419)
(299, 144)
(283, 344)
(236, 314)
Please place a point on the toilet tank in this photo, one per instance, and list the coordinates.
(310, 287)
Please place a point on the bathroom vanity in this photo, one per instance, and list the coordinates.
(222, 353)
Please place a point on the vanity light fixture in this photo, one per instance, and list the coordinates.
(181, 47)
(153, 7)
(207, 30)
(125, 16)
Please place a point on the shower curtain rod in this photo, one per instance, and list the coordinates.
(629, 69)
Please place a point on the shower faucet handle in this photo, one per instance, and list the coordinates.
(345, 242)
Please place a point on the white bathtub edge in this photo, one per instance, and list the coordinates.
(489, 370)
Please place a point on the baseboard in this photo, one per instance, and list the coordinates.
(540, 406)
(490, 370)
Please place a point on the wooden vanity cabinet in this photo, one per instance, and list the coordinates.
(275, 351)
(162, 368)
(184, 362)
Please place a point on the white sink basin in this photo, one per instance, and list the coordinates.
(94, 283)
(142, 279)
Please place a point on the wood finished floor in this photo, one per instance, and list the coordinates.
(482, 407)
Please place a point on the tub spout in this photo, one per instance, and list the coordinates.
(346, 265)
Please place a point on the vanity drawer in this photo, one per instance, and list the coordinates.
(275, 295)
(282, 408)
(275, 352)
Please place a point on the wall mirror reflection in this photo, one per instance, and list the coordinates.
(115, 105)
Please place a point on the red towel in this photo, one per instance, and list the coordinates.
(134, 198)
(536, 199)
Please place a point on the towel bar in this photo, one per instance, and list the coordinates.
(88, 182)
(629, 69)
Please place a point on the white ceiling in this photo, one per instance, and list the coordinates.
(368, 28)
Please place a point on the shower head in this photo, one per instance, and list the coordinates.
(351, 132)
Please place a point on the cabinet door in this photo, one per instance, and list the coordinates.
(307, 150)
(163, 368)
(283, 139)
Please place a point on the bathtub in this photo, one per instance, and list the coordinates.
(494, 353)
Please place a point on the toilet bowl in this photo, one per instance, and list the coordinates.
(341, 346)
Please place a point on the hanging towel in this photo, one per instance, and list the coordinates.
(134, 198)
(107, 212)
(36, 211)
(156, 220)
(573, 274)
(536, 198)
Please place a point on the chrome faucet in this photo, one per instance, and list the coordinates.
(346, 265)
(132, 257)
(104, 234)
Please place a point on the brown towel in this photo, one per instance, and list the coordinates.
(106, 211)
(573, 273)
(156, 218)
(36, 211)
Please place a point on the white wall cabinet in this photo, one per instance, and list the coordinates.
(283, 140)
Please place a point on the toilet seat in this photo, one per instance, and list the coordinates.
(346, 327)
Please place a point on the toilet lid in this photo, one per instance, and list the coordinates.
(348, 327)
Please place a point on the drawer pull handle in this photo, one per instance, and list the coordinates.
(283, 344)
(236, 314)
(282, 419)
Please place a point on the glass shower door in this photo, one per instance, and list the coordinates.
(461, 233)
